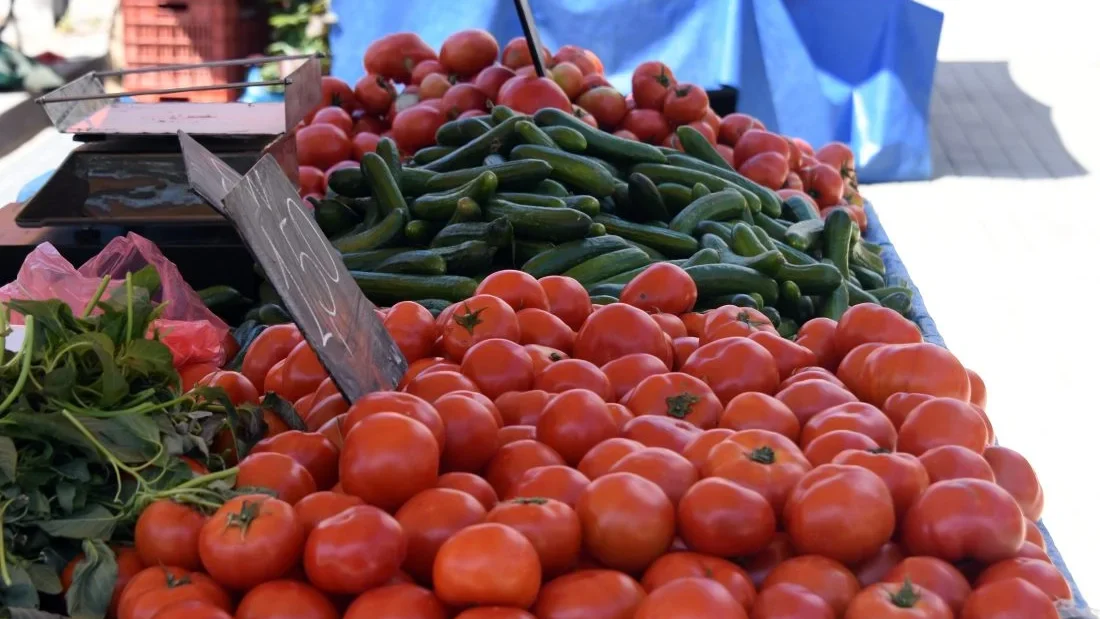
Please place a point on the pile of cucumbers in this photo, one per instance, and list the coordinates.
(551, 195)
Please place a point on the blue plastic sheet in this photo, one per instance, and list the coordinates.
(857, 71)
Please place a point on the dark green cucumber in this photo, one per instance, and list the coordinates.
(836, 239)
(857, 295)
(745, 241)
(568, 255)
(586, 204)
(653, 254)
(349, 182)
(624, 278)
(667, 173)
(792, 255)
(719, 229)
(698, 146)
(334, 217)
(789, 294)
(512, 174)
(787, 327)
(747, 217)
(421, 231)
(799, 208)
(567, 138)
(769, 200)
(871, 247)
(414, 181)
(493, 159)
(820, 278)
(273, 314)
(762, 236)
(713, 280)
(388, 231)
(474, 151)
(867, 278)
(646, 202)
(497, 233)
(574, 171)
(467, 258)
(698, 190)
(389, 288)
(607, 289)
(540, 222)
(550, 187)
(384, 188)
(435, 306)
(597, 230)
(703, 256)
(717, 244)
(431, 153)
(719, 206)
(601, 267)
(388, 151)
(899, 302)
(805, 235)
(675, 196)
(459, 131)
(882, 293)
(501, 113)
(600, 143)
(416, 262)
(773, 227)
(533, 199)
(863, 257)
(467, 210)
(367, 260)
(738, 299)
(612, 169)
(441, 206)
(836, 303)
(602, 299)
(773, 315)
(529, 133)
(666, 241)
(524, 250)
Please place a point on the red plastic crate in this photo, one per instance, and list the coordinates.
(167, 32)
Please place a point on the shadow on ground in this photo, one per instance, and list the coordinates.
(983, 124)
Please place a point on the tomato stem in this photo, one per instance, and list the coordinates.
(250, 511)
(679, 405)
(763, 455)
(470, 320)
(905, 597)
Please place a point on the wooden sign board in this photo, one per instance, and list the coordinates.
(531, 33)
(338, 321)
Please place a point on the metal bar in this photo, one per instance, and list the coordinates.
(534, 42)
(217, 63)
(163, 91)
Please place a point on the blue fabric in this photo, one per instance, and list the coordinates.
(856, 71)
(895, 271)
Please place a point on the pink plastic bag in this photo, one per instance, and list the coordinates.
(194, 333)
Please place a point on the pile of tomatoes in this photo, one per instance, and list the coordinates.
(547, 458)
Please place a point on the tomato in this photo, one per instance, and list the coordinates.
(467, 52)
(487, 564)
(680, 565)
(584, 59)
(811, 373)
(916, 368)
(682, 348)
(551, 526)
(516, 288)
(479, 318)
(762, 563)
(733, 126)
(853, 368)
(286, 599)
(251, 539)
(719, 517)
(955, 462)
(375, 94)
(517, 54)
(434, 87)
(192, 609)
(663, 287)
(322, 145)
(472, 485)
(769, 168)
(521, 408)
(498, 366)
(156, 588)
(733, 321)
(405, 404)
(760, 411)
(415, 127)
(977, 389)
(167, 533)
(529, 94)
(568, 299)
(664, 467)
(965, 519)
(905, 477)
(672, 325)
(1008, 599)
(756, 141)
(628, 521)
(628, 371)
(272, 345)
(543, 356)
(490, 79)
(558, 482)
(607, 106)
(569, 77)
(394, 56)
(690, 598)
(569, 374)
(358, 549)
(412, 328)
(1014, 473)
(429, 519)
(276, 471)
(839, 157)
(335, 116)
(313, 451)
(874, 569)
(1035, 571)
(732, 366)
(685, 103)
(334, 430)
(514, 459)
(789, 356)
(318, 506)
(545, 329)
(432, 385)
(422, 365)
(573, 422)
(759, 460)
(809, 398)
(898, 406)
(790, 601)
(819, 575)
(868, 322)
(324, 410)
(629, 135)
(655, 431)
(617, 330)
(823, 183)
(600, 459)
(651, 83)
(942, 421)
(1035, 535)
(698, 450)
(236, 385)
(854, 416)
(675, 395)
(302, 373)
(387, 459)
(494, 612)
(893, 601)
(311, 180)
(828, 446)
(471, 433)
(649, 125)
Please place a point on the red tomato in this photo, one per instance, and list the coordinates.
(412, 328)
(628, 521)
(570, 374)
(467, 52)
(584, 59)
(472, 485)
(521, 408)
(821, 576)
(322, 145)
(375, 94)
(192, 609)
(664, 467)
(810, 397)
(789, 356)
(1013, 597)
(663, 287)
(759, 460)
(286, 598)
(303, 372)
(719, 517)
(965, 519)
(733, 126)
(517, 54)
(387, 458)
(394, 55)
(569, 77)
(732, 366)
(514, 459)
(623, 133)
(977, 389)
(790, 601)
(682, 348)
(935, 575)
(648, 125)
(606, 104)
(828, 446)
(471, 433)
(603, 457)
(551, 526)
(654, 431)
(942, 421)
(239, 389)
(311, 180)
(129, 565)
(429, 519)
(167, 533)
(855, 416)
(903, 474)
(545, 329)
(590, 593)
(529, 94)
(651, 83)
(676, 395)
(415, 127)
(756, 141)
(768, 168)
(1013, 472)
(516, 288)
(568, 299)
(627, 371)
(759, 411)
(603, 336)
(824, 184)
(335, 116)
(487, 564)
(405, 404)
(251, 539)
(573, 422)
(839, 157)
(955, 462)
(873, 570)
(270, 347)
(157, 588)
(321, 505)
(690, 598)
(544, 356)
(680, 565)
(819, 334)
(479, 318)
(685, 103)
(356, 550)
(397, 600)
(276, 471)
(313, 451)
(892, 601)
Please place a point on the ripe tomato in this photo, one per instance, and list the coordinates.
(573, 422)
(965, 519)
(955, 462)
(311, 180)
(358, 549)
(521, 408)
(762, 563)
(841, 512)
(893, 601)
(321, 505)
(397, 600)
(809, 398)
(756, 141)
(487, 564)
(664, 467)
(471, 433)
(628, 371)
(276, 471)
(156, 588)
(790, 601)
(732, 366)
(1035, 571)
(916, 368)
(654, 431)
(394, 56)
(898, 406)
(672, 325)
(606, 104)
(690, 598)
(698, 450)
(719, 517)
(759, 460)
(942, 421)
(676, 395)
(514, 459)
(544, 329)
(1012, 597)
(270, 347)
(853, 369)
(838, 156)
(335, 116)
(387, 459)
(617, 330)
(517, 54)
(977, 389)
(828, 446)
(789, 356)
(479, 318)
(819, 575)
(432, 385)
(934, 575)
(472, 485)
(412, 328)
(874, 569)
(679, 565)
(854, 416)
(324, 410)
(467, 52)
(167, 533)
(1014, 473)
(236, 385)
(569, 77)
(558, 482)
(498, 366)
(868, 322)
(584, 59)
(434, 87)
(568, 300)
(647, 124)
(733, 321)
(414, 128)
(405, 404)
(628, 521)
(823, 183)
(192, 609)
(759, 411)
(591, 593)
(490, 79)
(303, 372)
(811, 373)
(529, 94)
(516, 288)
(682, 348)
(322, 145)
(429, 519)
(281, 599)
(551, 526)
(600, 459)
(375, 94)
(313, 451)
(733, 126)
(769, 168)
(334, 430)
(651, 83)
(251, 539)
(902, 473)
(663, 287)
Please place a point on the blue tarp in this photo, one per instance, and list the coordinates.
(857, 71)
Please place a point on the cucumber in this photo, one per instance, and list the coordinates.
(769, 200)
(817, 278)
(611, 168)
(600, 143)
(836, 239)
(646, 202)
(421, 231)
(497, 233)
(416, 262)
(863, 257)
(568, 255)
(713, 280)
(745, 241)
(663, 173)
(384, 186)
(721, 230)
(787, 328)
(220, 296)
(882, 293)
(441, 206)
(389, 288)
(792, 255)
(467, 258)
(524, 250)
(857, 295)
(478, 148)
(511, 174)
(773, 315)
(431, 153)
(550, 187)
(586, 204)
(598, 230)
(532, 199)
(675, 196)
(414, 181)
(762, 236)
(668, 242)
(367, 260)
(773, 227)
(501, 113)
(738, 299)
(540, 222)
(348, 182)
(466, 210)
(601, 267)
(529, 133)
(493, 159)
(273, 314)
(459, 131)
(747, 217)
(387, 232)
(836, 303)
(388, 151)
(334, 217)
(607, 289)
(799, 208)
(789, 294)
(572, 170)
(653, 254)
(719, 206)
(625, 277)
(717, 244)
(899, 302)
(805, 235)
(697, 146)
(868, 279)
(871, 247)
(703, 256)
(435, 306)
(567, 138)
(602, 299)
(698, 190)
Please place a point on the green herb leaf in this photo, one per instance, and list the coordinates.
(92, 523)
(66, 493)
(93, 582)
(45, 579)
(9, 458)
(133, 439)
(284, 409)
(59, 383)
(21, 593)
(147, 358)
(75, 469)
(146, 278)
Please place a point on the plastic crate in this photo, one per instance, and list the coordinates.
(167, 32)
